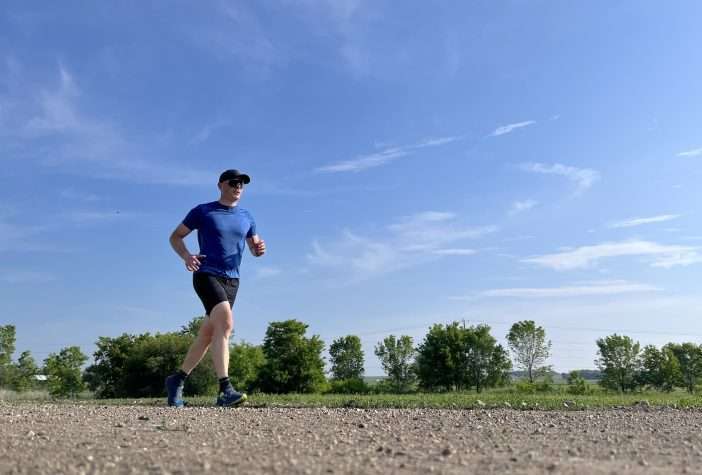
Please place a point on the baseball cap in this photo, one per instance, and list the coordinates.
(234, 174)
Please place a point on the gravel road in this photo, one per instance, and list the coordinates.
(90, 439)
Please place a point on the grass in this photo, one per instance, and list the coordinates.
(499, 398)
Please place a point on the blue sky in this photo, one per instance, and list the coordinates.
(411, 164)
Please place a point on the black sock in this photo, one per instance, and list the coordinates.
(224, 384)
(181, 375)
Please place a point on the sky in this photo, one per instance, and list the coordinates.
(412, 163)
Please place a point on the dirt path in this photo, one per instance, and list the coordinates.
(52, 439)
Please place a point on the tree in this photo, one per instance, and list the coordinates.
(346, 358)
(487, 362)
(689, 356)
(619, 362)
(7, 348)
(396, 356)
(106, 377)
(529, 347)
(137, 365)
(441, 358)
(660, 369)
(25, 371)
(245, 363)
(63, 370)
(293, 363)
(576, 383)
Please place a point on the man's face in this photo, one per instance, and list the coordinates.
(232, 188)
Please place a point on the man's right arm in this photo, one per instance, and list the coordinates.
(192, 262)
(177, 242)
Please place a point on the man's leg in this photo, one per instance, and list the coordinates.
(199, 347)
(176, 381)
(222, 323)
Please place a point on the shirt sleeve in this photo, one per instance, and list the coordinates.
(252, 227)
(193, 219)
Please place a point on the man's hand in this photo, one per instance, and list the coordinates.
(259, 248)
(192, 263)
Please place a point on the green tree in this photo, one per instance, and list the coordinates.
(396, 356)
(137, 365)
(346, 358)
(660, 369)
(245, 363)
(529, 347)
(293, 363)
(618, 359)
(106, 377)
(487, 362)
(25, 371)
(7, 349)
(63, 371)
(576, 383)
(441, 358)
(689, 356)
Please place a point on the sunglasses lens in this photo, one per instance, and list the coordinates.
(235, 183)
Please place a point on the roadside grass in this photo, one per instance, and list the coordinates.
(499, 398)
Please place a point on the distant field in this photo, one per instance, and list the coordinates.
(557, 400)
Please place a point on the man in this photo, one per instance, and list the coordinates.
(222, 227)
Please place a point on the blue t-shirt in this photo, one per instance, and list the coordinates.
(221, 232)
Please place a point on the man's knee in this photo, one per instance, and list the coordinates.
(221, 318)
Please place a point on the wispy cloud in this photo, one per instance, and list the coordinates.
(99, 146)
(387, 155)
(455, 252)
(506, 129)
(204, 134)
(95, 216)
(584, 178)
(660, 255)
(76, 195)
(407, 242)
(585, 289)
(691, 153)
(519, 206)
(267, 272)
(629, 223)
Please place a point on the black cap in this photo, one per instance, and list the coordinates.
(233, 175)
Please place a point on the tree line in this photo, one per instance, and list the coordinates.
(451, 357)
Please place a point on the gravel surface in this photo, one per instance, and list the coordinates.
(62, 438)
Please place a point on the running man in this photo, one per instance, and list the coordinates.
(222, 227)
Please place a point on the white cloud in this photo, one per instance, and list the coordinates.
(614, 287)
(505, 129)
(93, 216)
(454, 252)
(266, 272)
(519, 206)
(76, 195)
(365, 161)
(408, 242)
(387, 155)
(584, 178)
(586, 256)
(204, 134)
(101, 149)
(628, 223)
(691, 153)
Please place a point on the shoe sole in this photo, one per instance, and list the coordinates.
(236, 403)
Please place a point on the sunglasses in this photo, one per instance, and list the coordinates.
(236, 183)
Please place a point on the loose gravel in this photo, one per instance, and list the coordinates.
(90, 439)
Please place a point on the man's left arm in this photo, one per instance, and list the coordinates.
(256, 245)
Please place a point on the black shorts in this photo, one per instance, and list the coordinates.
(213, 289)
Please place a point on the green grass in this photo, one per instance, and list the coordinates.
(557, 400)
